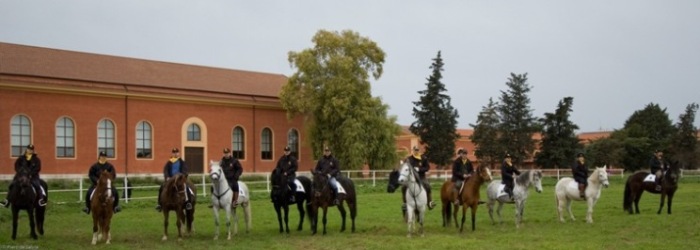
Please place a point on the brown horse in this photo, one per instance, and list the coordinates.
(469, 195)
(636, 185)
(174, 198)
(101, 207)
(322, 198)
(23, 196)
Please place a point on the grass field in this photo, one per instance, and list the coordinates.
(380, 226)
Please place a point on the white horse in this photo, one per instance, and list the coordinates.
(523, 182)
(566, 191)
(416, 197)
(221, 195)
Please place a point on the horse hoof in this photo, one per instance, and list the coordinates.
(94, 242)
(164, 238)
(179, 239)
(216, 237)
(108, 243)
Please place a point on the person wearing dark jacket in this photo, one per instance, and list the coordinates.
(420, 161)
(174, 165)
(580, 172)
(232, 171)
(658, 165)
(287, 165)
(330, 166)
(94, 174)
(30, 162)
(508, 172)
(461, 170)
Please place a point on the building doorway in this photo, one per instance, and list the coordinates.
(194, 156)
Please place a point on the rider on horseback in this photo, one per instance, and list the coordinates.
(329, 165)
(421, 162)
(94, 174)
(287, 164)
(232, 170)
(580, 171)
(658, 166)
(174, 165)
(507, 172)
(29, 161)
(462, 169)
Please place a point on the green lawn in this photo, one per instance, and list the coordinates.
(380, 226)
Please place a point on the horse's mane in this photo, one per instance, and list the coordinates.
(523, 178)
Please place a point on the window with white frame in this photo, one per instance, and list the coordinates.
(20, 134)
(65, 138)
(105, 137)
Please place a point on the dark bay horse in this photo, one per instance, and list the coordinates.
(323, 198)
(635, 186)
(101, 207)
(280, 196)
(173, 199)
(23, 196)
(469, 195)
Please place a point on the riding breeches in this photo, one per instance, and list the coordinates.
(233, 184)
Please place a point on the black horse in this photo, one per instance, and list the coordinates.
(323, 198)
(281, 195)
(393, 181)
(635, 186)
(23, 196)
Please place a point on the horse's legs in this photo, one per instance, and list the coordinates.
(325, 211)
(474, 216)
(95, 226)
(279, 217)
(421, 219)
(165, 225)
(498, 212)
(15, 217)
(409, 219)
(352, 205)
(636, 201)
(286, 218)
(32, 224)
(454, 215)
(568, 207)
(300, 207)
(589, 214)
(341, 208)
(180, 218)
(248, 216)
(661, 204)
(106, 228)
(216, 221)
(518, 212)
(670, 200)
(228, 220)
(39, 213)
(464, 216)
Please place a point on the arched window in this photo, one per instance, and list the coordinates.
(20, 134)
(144, 140)
(105, 137)
(238, 143)
(266, 144)
(194, 133)
(293, 142)
(65, 138)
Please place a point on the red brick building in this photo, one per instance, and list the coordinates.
(71, 105)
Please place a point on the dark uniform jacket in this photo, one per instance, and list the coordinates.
(288, 164)
(328, 165)
(507, 174)
(655, 164)
(232, 169)
(33, 165)
(580, 172)
(169, 166)
(97, 168)
(422, 164)
(460, 168)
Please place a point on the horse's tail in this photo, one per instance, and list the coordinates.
(447, 214)
(627, 201)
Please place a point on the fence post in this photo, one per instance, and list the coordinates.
(204, 186)
(374, 178)
(125, 192)
(267, 182)
(558, 173)
(80, 190)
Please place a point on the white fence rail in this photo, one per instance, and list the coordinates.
(372, 176)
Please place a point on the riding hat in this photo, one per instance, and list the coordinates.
(507, 155)
(30, 146)
(287, 148)
(226, 151)
(326, 148)
(580, 155)
(175, 150)
(461, 151)
(415, 148)
(102, 153)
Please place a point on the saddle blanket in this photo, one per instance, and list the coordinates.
(341, 190)
(241, 193)
(650, 178)
(573, 185)
(501, 191)
(300, 188)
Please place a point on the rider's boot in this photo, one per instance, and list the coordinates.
(234, 200)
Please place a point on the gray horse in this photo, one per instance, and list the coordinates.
(520, 190)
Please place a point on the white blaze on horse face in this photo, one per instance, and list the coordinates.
(603, 176)
(537, 176)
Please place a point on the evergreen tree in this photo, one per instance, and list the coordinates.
(517, 122)
(646, 130)
(331, 89)
(559, 143)
(485, 136)
(436, 119)
(684, 144)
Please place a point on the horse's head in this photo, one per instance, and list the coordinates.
(320, 183)
(393, 181)
(407, 173)
(22, 177)
(673, 173)
(537, 180)
(279, 184)
(215, 171)
(602, 175)
(106, 178)
(484, 172)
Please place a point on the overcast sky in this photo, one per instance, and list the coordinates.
(613, 57)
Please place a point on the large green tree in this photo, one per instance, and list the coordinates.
(517, 122)
(645, 131)
(684, 142)
(559, 143)
(331, 89)
(485, 136)
(436, 119)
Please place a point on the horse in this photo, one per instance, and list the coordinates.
(469, 195)
(24, 196)
(174, 198)
(495, 192)
(416, 197)
(280, 195)
(322, 198)
(566, 191)
(636, 185)
(221, 196)
(101, 207)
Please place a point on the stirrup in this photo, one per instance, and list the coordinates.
(431, 205)
(188, 206)
(658, 187)
(336, 202)
(159, 208)
(86, 210)
(42, 203)
(117, 209)
(5, 203)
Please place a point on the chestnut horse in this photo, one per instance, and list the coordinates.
(469, 195)
(322, 198)
(101, 207)
(174, 198)
(636, 185)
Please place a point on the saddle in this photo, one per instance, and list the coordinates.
(650, 178)
(501, 191)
